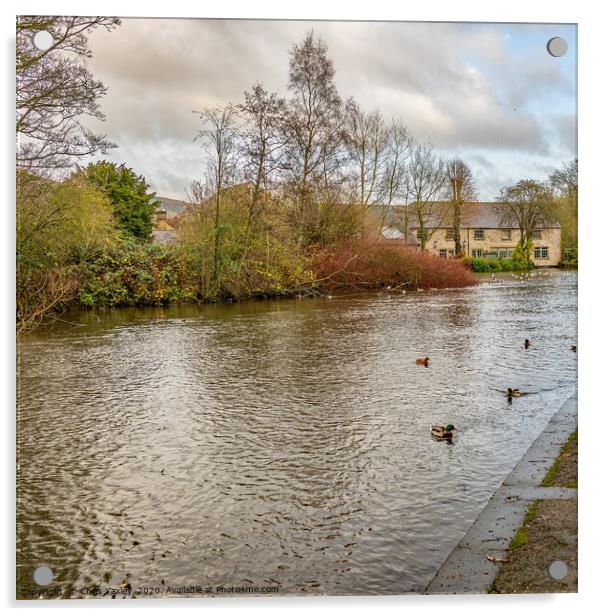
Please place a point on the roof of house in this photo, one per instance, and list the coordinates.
(392, 233)
(473, 215)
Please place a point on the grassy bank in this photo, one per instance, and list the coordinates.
(548, 534)
(563, 473)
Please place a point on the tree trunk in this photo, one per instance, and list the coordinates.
(217, 238)
(457, 238)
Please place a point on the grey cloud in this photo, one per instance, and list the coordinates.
(480, 161)
(566, 131)
(158, 71)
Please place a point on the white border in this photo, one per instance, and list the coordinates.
(590, 139)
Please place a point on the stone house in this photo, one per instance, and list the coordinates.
(483, 235)
(167, 212)
(160, 215)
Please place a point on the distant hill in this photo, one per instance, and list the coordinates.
(174, 207)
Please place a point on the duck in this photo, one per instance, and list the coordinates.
(423, 362)
(527, 343)
(444, 432)
(513, 393)
(574, 348)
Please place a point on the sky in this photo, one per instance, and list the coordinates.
(489, 93)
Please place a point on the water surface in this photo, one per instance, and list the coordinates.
(281, 443)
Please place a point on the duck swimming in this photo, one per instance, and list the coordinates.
(512, 393)
(423, 362)
(444, 432)
(527, 343)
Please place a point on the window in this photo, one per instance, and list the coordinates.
(479, 234)
(541, 252)
(477, 252)
(504, 253)
(443, 253)
(421, 234)
(449, 234)
(536, 234)
(506, 234)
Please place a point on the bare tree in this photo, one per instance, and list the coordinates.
(219, 137)
(399, 148)
(313, 126)
(566, 179)
(425, 184)
(566, 182)
(526, 204)
(41, 291)
(367, 141)
(197, 192)
(262, 144)
(461, 190)
(55, 90)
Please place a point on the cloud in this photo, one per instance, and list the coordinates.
(566, 131)
(470, 89)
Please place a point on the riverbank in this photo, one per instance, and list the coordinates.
(134, 273)
(548, 534)
(530, 491)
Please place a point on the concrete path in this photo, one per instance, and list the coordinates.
(467, 569)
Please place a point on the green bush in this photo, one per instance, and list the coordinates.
(521, 255)
(137, 273)
(133, 204)
(569, 258)
(489, 264)
(59, 225)
(480, 264)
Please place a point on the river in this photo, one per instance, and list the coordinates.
(281, 443)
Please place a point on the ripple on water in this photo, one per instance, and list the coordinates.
(285, 442)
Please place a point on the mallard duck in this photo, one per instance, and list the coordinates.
(423, 362)
(513, 393)
(445, 432)
(574, 348)
(527, 343)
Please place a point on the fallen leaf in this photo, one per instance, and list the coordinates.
(496, 559)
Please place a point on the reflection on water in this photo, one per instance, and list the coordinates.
(282, 443)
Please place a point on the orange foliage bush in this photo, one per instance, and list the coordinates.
(365, 264)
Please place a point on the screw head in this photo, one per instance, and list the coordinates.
(557, 47)
(42, 575)
(558, 570)
(43, 40)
